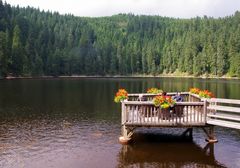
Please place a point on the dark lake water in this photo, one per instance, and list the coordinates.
(75, 123)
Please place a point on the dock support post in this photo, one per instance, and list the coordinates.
(191, 132)
(209, 149)
(126, 133)
(126, 136)
(188, 131)
(210, 134)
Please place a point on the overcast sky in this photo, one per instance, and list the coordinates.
(170, 8)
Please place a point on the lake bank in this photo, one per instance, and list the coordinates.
(121, 76)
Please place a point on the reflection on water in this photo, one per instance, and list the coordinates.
(156, 151)
(75, 123)
(56, 143)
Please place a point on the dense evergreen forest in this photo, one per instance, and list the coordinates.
(34, 42)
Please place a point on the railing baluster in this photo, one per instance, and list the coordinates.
(149, 107)
(152, 114)
(198, 114)
(133, 113)
(174, 116)
(148, 112)
(182, 114)
(124, 113)
(161, 113)
(190, 114)
(127, 113)
(137, 118)
(193, 114)
(196, 111)
(141, 114)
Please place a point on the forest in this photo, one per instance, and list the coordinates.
(43, 43)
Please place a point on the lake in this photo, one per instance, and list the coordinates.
(74, 123)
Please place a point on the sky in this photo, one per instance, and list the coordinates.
(169, 8)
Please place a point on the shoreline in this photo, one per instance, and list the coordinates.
(118, 76)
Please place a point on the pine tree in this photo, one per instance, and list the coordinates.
(3, 55)
(17, 52)
(221, 61)
(45, 43)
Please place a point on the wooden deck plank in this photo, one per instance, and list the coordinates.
(166, 124)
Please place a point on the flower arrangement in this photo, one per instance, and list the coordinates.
(163, 101)
(205, 94)
(194, 90)
(154, 90)
(121, 95)
(201, 93)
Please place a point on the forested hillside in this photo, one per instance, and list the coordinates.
(33, 42)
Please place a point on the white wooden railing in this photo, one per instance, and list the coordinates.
(149, 97)
(187, 97)
(193, 111)
(224, 112)
(136, 113)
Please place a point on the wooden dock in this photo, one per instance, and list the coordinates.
(192, 112)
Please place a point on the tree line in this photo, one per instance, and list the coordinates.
(35, 42)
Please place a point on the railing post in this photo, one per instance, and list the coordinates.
(123, 120)
(123, 110)
(205, 110)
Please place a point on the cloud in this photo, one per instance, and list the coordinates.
(171, 8)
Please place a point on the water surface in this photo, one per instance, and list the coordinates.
(75, 123)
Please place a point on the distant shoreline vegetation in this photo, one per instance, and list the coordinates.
(38, 43)
(118, 76)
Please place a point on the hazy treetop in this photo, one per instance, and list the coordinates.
(170, 8)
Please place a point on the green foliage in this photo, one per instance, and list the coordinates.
(44, 43)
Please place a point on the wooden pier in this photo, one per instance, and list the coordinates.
(192, 112)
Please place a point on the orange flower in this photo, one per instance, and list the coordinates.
(202, 93)
(154, 90)
(194, 90)
(205, 94)
(121, 95)
(163, 101)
